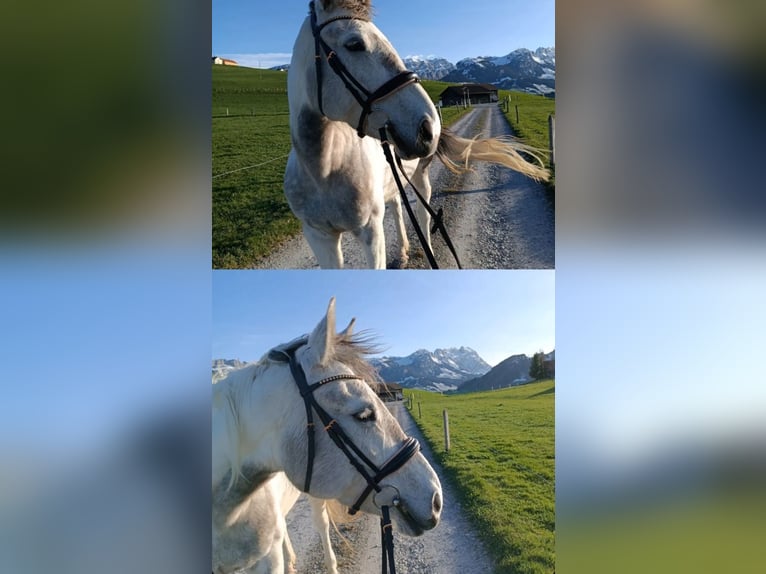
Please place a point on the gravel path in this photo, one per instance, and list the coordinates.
(497, 218)
(452, 547)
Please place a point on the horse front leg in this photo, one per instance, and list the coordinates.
(322, 525)
(421, 181)
(373, 242)
(401, 231)
(326, 247)
(289, 555)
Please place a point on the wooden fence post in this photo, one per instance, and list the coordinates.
(552, 137)
(420, 416)
(446, 430)
(517, 113)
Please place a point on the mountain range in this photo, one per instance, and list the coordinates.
(439, 370)
(521, 70)
(443, 370)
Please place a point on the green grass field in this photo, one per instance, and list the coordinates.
(532, 127)
(250, 129)
(502, 463)
(250, 213)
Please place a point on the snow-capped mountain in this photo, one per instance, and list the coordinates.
(522, 70)
(440, 370)
(429, 67)
(221, 367)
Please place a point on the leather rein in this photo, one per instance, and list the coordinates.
(371, 473)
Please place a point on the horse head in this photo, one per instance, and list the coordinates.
(351, 73)
(338, 378)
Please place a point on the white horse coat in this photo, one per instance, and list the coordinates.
(338, 182)
(260, 451)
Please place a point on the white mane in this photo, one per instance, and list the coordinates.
(232, 390)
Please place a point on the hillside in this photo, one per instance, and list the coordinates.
(512, 371)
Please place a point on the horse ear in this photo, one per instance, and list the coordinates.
(322, 338)
(348, 331)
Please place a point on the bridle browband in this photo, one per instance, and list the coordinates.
(362, 95)
(409, 448)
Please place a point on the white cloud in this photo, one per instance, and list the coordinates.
(268, 60)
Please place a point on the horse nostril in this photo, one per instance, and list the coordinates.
(437, 503)
(426, 131)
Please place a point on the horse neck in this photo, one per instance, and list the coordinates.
(301, 76)
(314, 136)
(254, 409)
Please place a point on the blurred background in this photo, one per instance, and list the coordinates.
(661, 270)
(106, 297)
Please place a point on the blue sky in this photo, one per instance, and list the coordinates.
(261, 34)
(496, 313)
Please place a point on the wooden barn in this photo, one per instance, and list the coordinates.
(476, 93)
(224, 62)
(389, 391)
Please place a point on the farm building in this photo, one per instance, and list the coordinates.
(389, 391)
(223, 61)
(476, 93)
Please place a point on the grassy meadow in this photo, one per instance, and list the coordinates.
(250, 129)
(532, 127)
(501, 461)
(250, 213)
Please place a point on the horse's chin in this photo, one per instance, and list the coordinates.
(407, 524)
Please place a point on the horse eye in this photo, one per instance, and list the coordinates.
(355, 45)
(366, 415)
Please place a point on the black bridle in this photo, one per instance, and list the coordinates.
(365, 97)
(372, 473)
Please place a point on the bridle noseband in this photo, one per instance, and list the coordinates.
(409, 448)
(365, 97)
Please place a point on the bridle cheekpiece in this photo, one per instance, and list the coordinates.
(362, 95)
(372, 473)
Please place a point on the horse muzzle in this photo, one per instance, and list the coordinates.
(423, 143)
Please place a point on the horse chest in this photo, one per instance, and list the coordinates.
(337, 201)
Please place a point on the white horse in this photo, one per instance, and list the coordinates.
(260, 439)
(345, 82)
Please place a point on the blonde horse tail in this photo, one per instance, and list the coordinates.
(456, 153)
(337, 513)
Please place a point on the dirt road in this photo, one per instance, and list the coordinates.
(496, 218)
(452, 547)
